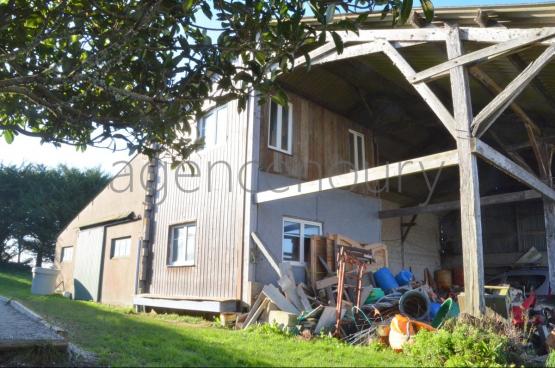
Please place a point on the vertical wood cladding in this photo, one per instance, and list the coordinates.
(320, 144)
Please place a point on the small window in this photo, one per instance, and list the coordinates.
(213, 127)
(296, 239)
(280, 130)
(182, 244)
(121, 247)
(67, 254)
(356, 146)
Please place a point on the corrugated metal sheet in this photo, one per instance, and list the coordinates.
(218, 215)
(88, 264)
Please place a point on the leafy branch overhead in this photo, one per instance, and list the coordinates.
(99, 72)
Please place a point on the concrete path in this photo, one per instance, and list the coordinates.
(19, 330)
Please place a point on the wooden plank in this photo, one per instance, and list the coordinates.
(317, 249)
(327, 282)
(453, 205)
(471, 223)
(289, 288)
(278, 299)
(257, 312)
(493, 87)
(496, 35)
(510, 168)
(327, 320)
(350, 51)
(261, 297)
(487, 53)
(325, 265)
(499, 104)
(194, 305)
(304, 298)
(425, 92)
(407, 167)
(264, 251)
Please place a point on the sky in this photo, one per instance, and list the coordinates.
(29, 150)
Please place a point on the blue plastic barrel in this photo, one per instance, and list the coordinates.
(404, 277)
(385, 280)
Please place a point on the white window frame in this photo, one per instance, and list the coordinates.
(63, 253)
(279, 127)
(186, 262)
(201, 122)
(358, 165)
(301, 261)
(113, 254)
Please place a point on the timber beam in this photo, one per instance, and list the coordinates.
(487, 53)
(471, 221)
(510, 168)
(454, 205)
(384, 172)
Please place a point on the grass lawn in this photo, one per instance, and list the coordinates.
(120, 337)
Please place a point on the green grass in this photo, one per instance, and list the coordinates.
(120, 337)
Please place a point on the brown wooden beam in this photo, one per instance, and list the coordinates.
(454, 205)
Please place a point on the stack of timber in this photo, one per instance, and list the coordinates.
(311, 306)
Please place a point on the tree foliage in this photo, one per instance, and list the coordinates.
(37, 202)
(94, 72)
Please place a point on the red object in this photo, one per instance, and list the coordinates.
(518, 311)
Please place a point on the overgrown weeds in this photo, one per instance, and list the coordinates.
(466, 342)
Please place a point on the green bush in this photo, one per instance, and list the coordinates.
(461, 344)
(550, 360)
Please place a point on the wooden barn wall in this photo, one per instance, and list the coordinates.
(217, 212)
(509, 230)
(320, 144)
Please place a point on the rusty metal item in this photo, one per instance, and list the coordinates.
(359, 258)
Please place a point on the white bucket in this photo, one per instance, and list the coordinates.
(44, 281)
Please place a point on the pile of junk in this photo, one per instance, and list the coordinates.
(350, 292)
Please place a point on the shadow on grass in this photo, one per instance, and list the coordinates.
(121, 338)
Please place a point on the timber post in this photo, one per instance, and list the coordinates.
(471, 224)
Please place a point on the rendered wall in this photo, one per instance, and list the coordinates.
(421, 248)
(339, 211)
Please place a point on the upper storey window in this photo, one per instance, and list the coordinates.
(356, 149)
(280, 130)
(213, 127)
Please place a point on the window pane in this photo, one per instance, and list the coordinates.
(352, 154)
(285, 128)
(210, 129)
(360, 153)
(273, 124)
(291, 228)
(191, 236)
(178, 244)
(291, 241)
(67, 254)
(291, 249)
(310, 230)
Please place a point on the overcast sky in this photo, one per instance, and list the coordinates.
(25, 149)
